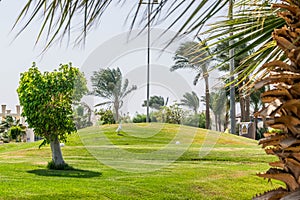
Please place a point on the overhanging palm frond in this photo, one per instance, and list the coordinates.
(59, 15)
(181, 62)
(254, 24)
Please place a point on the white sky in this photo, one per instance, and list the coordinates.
(18, 55)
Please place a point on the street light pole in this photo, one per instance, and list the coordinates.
(148, 63)
(148, 53)
(232, 83)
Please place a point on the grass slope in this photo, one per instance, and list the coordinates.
(214, 166)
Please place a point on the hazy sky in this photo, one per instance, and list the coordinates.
(18, 55)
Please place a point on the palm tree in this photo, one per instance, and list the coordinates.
(282, 109)
(189, 56)
(190, 100)
(242, 92)
(107, 83)
(218, 105)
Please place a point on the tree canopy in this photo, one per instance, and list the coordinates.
(155, 102)
(46, 99)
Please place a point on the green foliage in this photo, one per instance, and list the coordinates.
(47, 100)
(82, 116)
(196, 120)
(170, 114)
(155, 102)
(140, 118)
(10, 128)
(106, 116)
(16, 132)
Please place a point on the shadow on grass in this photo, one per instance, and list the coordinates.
(75, 173)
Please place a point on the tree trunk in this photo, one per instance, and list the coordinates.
(247, 104)
(116, 107)
(220, 123)
(216, 121)
(247, 108)
(242, 103)
(207, 94)
(57, 157)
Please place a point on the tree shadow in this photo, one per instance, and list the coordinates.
(74, 173)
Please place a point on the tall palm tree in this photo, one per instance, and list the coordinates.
(108, 83)
(189, 56)
(242, 92)
(282, 109)
(191, 100)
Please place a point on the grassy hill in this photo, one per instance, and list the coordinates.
(143, 162)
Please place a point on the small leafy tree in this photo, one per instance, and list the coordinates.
(47, 100)
(106, 116)
(170, 114)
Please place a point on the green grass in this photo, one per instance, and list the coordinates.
(224, 169)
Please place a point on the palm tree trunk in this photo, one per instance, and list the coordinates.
(116, 107)
(216, 121)
(219, 121)
(247, 104)
(242, 103)
(207, 98)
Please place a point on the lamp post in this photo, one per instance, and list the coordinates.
(232, 83)
(149, 3)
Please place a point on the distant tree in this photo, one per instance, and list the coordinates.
(218, 105)
(191, 100)
(107, 83)
(11, 128)
(82, 115)
(47, 100)
(155, 102)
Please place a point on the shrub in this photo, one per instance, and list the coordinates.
(140, 118)
(197, 120)
(170, 114)
(106, 116)
(16, 132)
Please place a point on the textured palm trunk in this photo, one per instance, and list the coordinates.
(247, 108)
(116, 107)
(220, 123)
(207, 99)
(242, 103)
(282, 110)
(216, 121)
(57, 157)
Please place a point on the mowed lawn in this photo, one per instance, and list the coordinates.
(143, 162)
